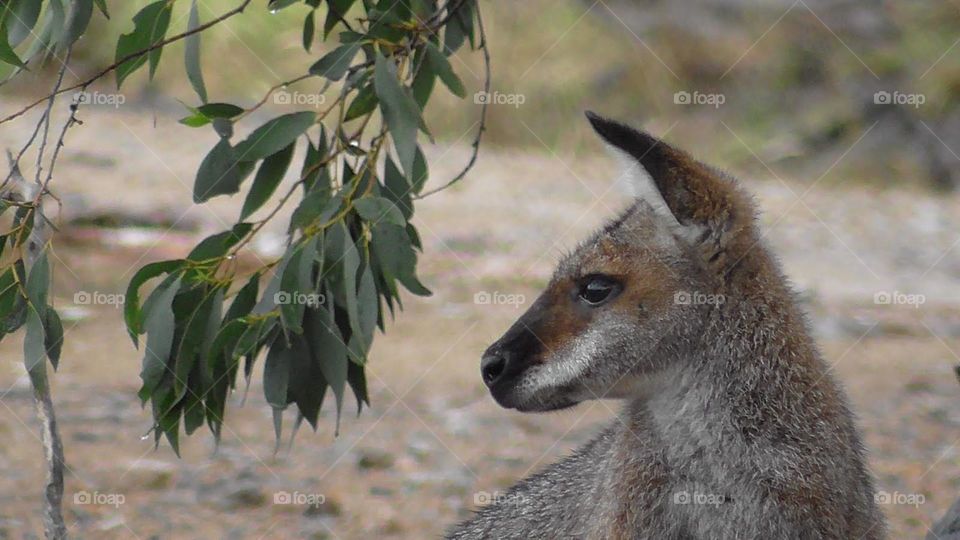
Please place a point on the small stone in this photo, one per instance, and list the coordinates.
(245, 495)
(371, 458)
(330, 507)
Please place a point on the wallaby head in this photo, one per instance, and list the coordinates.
(622, 307)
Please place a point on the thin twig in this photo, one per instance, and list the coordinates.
(270, 92)
(483, 116)
(82, 85)
(45, 119)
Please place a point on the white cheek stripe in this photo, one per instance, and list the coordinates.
(568, 364)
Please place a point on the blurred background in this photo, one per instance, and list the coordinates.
(842, 117)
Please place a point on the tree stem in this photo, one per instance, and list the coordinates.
(53, 525)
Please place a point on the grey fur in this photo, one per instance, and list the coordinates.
(732, 426)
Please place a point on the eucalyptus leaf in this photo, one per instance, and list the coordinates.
(192, 54)
(150, 27)
(131, 307)
(376, 209)
(53, 336)
(274, 135)
(399, 109)
(334, 64)
(21, 20)
(268, 177)
(220, 173)
(159, 325)
(441, 66)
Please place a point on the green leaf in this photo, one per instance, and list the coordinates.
(307, 386)
(219, 110)
(9, 293)
(34, 352)
(220, 173)
(276, 373)
(334, 64)
(159, 325)
(376, 209)
(38, 283)
(150, 27)
(268, 177)
(274, 136)
(79, 18)
(51, 29)
(397, 189)
(7, 54)
(400, 111)
(217, 245)
(368, 307)
(131, 307)
(337, 9)
(309, 30)
(394, 250)
(192, 409)
(441, 66)
(358, 383)
(194, 120)
(422, 84)
(245, 299)
(316, 176)
(192, 54)
(365, 102)
(223, 344)
(290, 293)
(191, 342)
(21, 20)
(351, 263)
(276, 5)
(453, 36)
(326, 345)
(420, 172)
(53, 336)
(102, 4)
(209, 112)
(315, 207)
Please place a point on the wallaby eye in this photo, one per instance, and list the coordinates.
(596, 290)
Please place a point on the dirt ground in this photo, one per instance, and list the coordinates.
(433, 444)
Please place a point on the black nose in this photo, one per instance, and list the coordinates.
(492, 368)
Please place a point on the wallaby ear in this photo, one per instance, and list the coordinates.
(705, 203)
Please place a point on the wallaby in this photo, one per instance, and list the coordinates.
(732, 425)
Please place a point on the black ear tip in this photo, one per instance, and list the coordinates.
(595, 119)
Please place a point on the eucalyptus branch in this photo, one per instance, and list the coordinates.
(270, 92)
(483, 116)
(158, 45)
